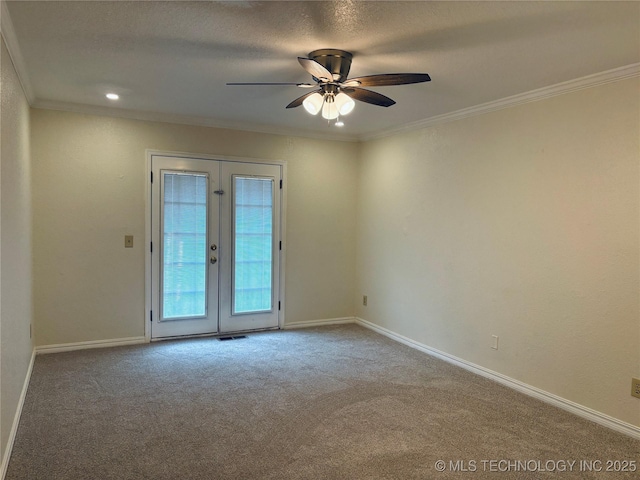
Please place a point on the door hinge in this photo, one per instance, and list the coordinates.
(151, 315)
(151, 177)
(278, 305)
(280, 244)
(151, 246)
(280, 184)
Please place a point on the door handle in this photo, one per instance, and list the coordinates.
(213, 260)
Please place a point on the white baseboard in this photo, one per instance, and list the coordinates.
(572, 407)
(16, 419)
(67, 347)
(319, 323)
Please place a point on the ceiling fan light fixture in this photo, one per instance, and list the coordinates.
(344, 103)
(313, 103)
(335, 94)
(329, 108)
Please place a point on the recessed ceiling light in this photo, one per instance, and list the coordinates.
(340, 123)
(113, 96)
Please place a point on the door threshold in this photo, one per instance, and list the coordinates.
(179, 337)
(215, 334)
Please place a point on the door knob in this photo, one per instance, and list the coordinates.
(213, 260)
(214, 247)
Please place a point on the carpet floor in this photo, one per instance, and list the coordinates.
(336, 402)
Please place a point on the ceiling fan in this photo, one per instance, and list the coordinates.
(334, 93)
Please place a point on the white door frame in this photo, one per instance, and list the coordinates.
(148, 234)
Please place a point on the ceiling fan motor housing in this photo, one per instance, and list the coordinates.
(338, 62)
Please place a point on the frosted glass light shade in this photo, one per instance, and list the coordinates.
(329, 109)
(313, 103)
(344, 103)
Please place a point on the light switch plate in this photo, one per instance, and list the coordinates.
(635, 387)
(128, 241)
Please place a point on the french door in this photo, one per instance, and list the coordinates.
(215, 229)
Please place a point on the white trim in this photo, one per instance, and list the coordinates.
(572, 407)
(319, 323)
(602, 78)
(283, 239)
(11, 42)
(16, 419)
(68, 347)
(147, 250)
(193, 120)
(207, 156)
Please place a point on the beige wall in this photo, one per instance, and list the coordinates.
(15, 252)
(522, 223)
(88, 192)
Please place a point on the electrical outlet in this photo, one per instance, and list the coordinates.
(128, 241)
(364, 300)
(494, 342)
(635, 387)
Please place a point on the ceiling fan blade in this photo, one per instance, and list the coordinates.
(301, 85)
(387, 79)
(368, 96)
(315, 69)
(298, 101)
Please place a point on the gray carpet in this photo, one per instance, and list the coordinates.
(324, 403)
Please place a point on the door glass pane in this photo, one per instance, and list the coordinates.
(184, 230)
(253, 243)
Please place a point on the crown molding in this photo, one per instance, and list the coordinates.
(184, 120)
(11, 41)
(594, 80)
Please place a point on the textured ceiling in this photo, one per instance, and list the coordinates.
(175, 57)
